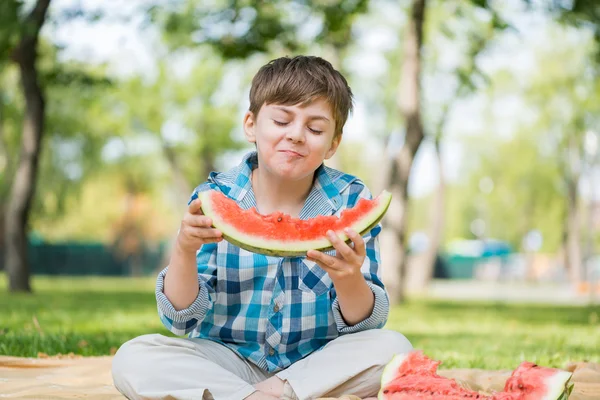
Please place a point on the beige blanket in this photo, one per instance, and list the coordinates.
(71, 377)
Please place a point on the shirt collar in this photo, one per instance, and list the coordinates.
(323, 199)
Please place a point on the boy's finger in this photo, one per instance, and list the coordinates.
(198, 221)
(324, 261)
(204, 233)
(359, 242)
(195, 207)
(340, 246)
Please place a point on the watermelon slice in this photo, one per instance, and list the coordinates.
(279, 234)
(413, 376)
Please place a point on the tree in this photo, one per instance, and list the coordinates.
(473, 34)
(396, 169)
(25, 55)
(399, 163)
(569, 105)
(529, 180)
(583, 15)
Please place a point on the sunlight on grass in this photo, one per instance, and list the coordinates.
(94, 316)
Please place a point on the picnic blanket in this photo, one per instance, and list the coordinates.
(73, 377)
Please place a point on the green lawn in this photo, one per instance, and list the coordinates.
(89, 316)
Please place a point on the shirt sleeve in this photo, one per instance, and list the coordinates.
(372, 272)
(185, 321)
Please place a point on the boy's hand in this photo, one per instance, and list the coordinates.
(346, 264)
(196, 229)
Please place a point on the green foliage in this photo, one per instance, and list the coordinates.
(92, 316)
(515, 173)
(82, 115)
(9, 27)
(241, 28)
(583, 14)
(90, 163)
(516, 188)
(184, 114)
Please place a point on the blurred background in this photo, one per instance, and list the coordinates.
(481, 117)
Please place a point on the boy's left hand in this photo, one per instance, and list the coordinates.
(348, 259)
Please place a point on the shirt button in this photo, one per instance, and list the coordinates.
(276, 308)
(271, 352)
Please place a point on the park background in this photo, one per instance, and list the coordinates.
(481, 117)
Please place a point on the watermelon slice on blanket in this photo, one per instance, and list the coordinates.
(413, 376)
(281, 235)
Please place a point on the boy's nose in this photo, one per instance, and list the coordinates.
(295, 134)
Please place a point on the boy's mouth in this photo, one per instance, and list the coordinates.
(291, 153)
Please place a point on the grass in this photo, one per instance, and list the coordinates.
(94, 316)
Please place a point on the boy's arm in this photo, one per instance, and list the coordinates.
(363, 304)
(183, 321)
(183, 289)
(360, 300)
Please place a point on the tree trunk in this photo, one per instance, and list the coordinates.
(420, 274)
(23, 185)
(572, 235)
(573, 228)
(4, 165)
(397, 170)
(4, 154)
(589, 276)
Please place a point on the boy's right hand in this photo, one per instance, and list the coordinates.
(196, 229)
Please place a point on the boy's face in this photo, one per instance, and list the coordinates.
(292, 141)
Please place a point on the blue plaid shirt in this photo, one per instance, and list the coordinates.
(273, 311)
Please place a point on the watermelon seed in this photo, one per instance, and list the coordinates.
(279, 219)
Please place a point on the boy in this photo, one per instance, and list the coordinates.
(267, 327)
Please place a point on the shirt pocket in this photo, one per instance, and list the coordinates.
(313, 279)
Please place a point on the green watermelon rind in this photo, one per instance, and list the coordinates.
(390, 371)
(295, 249)
(558, 386)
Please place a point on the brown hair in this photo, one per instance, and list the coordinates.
(300, 80)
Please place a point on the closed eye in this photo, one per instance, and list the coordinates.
(315, 131)
(279, 123)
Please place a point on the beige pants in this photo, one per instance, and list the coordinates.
(160, 367)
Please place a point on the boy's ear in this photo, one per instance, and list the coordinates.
(334, 145)
(249, 125)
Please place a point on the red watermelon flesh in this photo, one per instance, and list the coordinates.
(413, 376)
(279, 234)
(532, 382)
